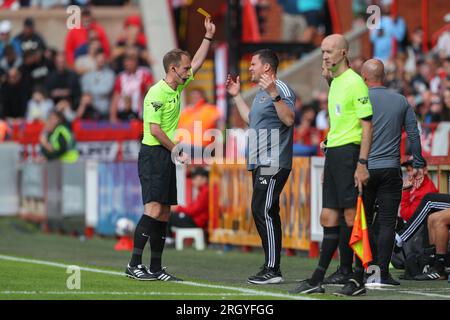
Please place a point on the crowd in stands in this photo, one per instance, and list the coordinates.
(91, 79)
(422, 76)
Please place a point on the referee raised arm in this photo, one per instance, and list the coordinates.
(345, 172)
(157, 156)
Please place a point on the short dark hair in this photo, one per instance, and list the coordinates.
(268, 56)
(174, 57)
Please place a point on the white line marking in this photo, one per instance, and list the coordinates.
(113, 293)
(189, 283)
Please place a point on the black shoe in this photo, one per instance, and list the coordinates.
(433, 274)
(162, 275)
(337, 278)
(388, 281)
(306, 288)
(266, 276)
(140, 272)
(352, 288)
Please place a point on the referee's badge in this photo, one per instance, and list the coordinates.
(157, 105)
(338, 109)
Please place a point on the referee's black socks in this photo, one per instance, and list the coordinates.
(345, 251)
(329, 245)
(158, 230)
(141, 235)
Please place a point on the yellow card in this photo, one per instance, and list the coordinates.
(203, 12)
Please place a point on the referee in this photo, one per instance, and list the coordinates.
(348, 144)
(269, 155)
(157, 155)
(391, 113)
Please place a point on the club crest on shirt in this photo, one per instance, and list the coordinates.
(338, 109)
(262, 99)
(156, 105)
(363, 100)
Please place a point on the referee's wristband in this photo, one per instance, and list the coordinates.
(209, 39)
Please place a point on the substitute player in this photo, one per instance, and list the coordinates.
(345, 171)
(157, 156)
(271, 120)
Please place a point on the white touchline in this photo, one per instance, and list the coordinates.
(118, 293)
(189, 283)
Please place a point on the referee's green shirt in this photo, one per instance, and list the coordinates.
(162, 106)
(348, 102)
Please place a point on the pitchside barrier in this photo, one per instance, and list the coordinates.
(231, 220)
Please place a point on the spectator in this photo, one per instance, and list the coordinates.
(12, 95)
(49, 4)
(206, 115)
(35, 70)
(391, 28)
(130, 88)
(411, 196)
(415, 50)
(87, 62)
(437, 113)
(313, 11)
(298, 110)
(63, 84)
(39, 106)
(294, 22)
(5, 38)
(195, 214)
(78, 37)
(306, 135)
(442, 47)
(10, 59)
(97, 88)
(29, 39)
(133, 36)
(322, 115)
(57, 141)
(9, 5)
(63, 106)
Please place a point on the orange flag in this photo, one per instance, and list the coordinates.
(359, 240)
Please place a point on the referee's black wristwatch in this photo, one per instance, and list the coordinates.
(362, 161)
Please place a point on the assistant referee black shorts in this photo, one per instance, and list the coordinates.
(339, 191)
(157, 174)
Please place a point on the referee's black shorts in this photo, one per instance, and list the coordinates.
(157, 174)
(339, 191)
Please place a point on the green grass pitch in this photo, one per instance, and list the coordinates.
(34, 265)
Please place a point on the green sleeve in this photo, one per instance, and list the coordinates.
(361, 100)
(153, 105)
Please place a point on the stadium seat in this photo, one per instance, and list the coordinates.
(189, 233)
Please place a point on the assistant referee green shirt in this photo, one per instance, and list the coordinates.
(162, 106)
(348, 102)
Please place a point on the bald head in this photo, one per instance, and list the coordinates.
(334, 54)
(373, 71)
(336, 41)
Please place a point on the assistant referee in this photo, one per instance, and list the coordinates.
(158, 153)
(345, 170)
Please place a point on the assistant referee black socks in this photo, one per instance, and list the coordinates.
(141, 235)
(158, 231)
(329, 245)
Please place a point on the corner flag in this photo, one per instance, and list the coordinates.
(359, 240)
